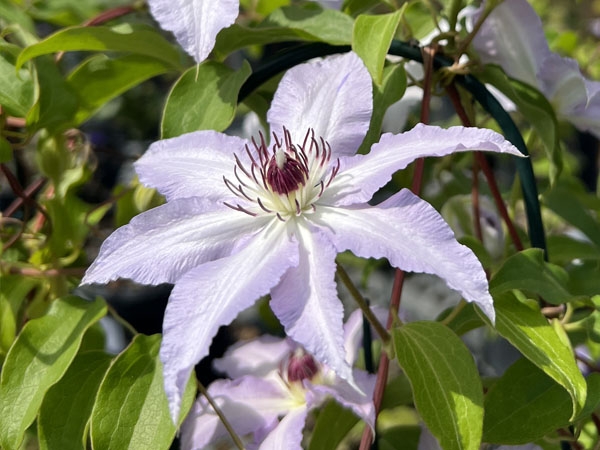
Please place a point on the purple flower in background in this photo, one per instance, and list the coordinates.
(275, 378)
(196, 23)
(512, 36)
(243, 220)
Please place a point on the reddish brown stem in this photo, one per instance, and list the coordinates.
(574, 444)
(15, 122)
(27, 193)
(487, 171)
(109, 15)
(384, 362)
(102, 18)
(30, 272)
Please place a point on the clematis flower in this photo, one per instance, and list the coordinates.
(512, 36)
(245, 219)
(196, 23)
(274, 378)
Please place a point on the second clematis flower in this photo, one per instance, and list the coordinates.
(513, 37)
(273, 378)
(245, 219)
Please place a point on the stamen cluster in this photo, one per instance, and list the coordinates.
(285, 180)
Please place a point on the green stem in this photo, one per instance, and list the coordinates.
(457, 309)
(113, 312)
(362, 304)
(236, 439)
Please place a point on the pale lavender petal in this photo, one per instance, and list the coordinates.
(195, 23)
(160, 245)
(346, 395)
(211, 295)
(587, 118)
(412, 235)
(257, 357)
(307, 304)
(360, 176)
(288, 434)
(250, 404)
(333, 96)
(353, 331)
(562, 83)
(191, 165)
(512, 36)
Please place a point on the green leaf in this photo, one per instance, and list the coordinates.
(446, 385)
(389, 92)
(568, 206)
(100, 79)
(204, 98)
(39, 358)
(290, 23)
(133, 386)
(564, 249)
(466, 320)
(527, 329)
(536, 109)
(401, 436)
(371, 39)
(333, 424)
(57, 103)
(6, 153)
(66, 409)
(526, 404)
(17, 93)
(136, 39)
(528, 271)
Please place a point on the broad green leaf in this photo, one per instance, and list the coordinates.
(536, 109)
(401, 436)
(136, 39)
(17, 92)
(16, 21)
(290, 23)
(100, 79)
(528, 271)
(446, 385)
(67, 406)
(56, 103)
(371, 39)
(466, 320)
(333, 424)
(397, 392)
(204, 98)
(526, 404)
(38, 359)
(562, 201)
(527, 329)
(389, 92)
(133, 386)
(584, 278)
(564, 249)
(13, 291)
(6, 153)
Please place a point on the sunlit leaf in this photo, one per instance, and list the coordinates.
(446, 385)
(39, 358)
(134, 387)
(204, 98)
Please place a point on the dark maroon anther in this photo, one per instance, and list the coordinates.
(301, 367)
(285, 177)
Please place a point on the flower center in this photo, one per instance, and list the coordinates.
(285, 174)
(301, 366)
(284, 181)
